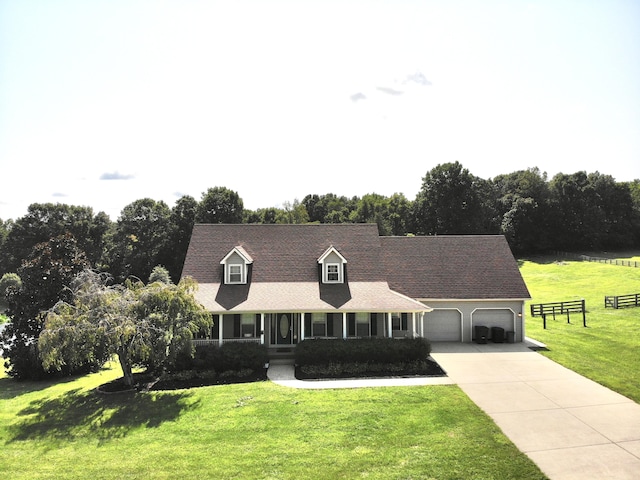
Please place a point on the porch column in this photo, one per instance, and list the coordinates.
(220, 323)
(389, 325)
(262, 329)
(302, 327)
(413, 324)
(344, 325)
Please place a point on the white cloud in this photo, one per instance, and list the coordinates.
(116, 176)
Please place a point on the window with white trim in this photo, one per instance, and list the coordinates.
(235, 273)
(319, 326)
(333, 264)
(235, 265)
(247, 327)
(399, 321)
(363, 327)
(333, 272)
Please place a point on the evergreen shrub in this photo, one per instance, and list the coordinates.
(231, 356)
(361, 350)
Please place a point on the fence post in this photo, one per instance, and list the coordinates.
(584, 314)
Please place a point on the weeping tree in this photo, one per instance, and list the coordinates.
(146, 325)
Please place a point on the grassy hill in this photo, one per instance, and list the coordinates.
(607, 350)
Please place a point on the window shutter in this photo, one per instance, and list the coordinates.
(258, 331)
(374, 324)
(236, 326)
(351, 320)
(216, 327)
(329, 324)
(404, 323)
(307, 325)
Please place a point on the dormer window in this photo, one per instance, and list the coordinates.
(235, 273)
(332, 263)
(236, 266)
(333, 272)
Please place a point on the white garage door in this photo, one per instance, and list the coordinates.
(494, 317)
(443, 326)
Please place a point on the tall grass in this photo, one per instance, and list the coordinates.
(607, 350)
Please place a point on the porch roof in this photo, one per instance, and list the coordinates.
(305, 297)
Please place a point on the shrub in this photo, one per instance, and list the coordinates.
(160, 274)
(362, 350)
(240, 356)
(9, 280)
(338, 369)
(230, 356)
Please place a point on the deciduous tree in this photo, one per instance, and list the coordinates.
(140, 239)
(45, 221)
(220, 205)
(449, 202)
(142, 325)
(46, 272)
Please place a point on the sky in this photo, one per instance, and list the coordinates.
(106, 102)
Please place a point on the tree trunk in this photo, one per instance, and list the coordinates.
(127, 374)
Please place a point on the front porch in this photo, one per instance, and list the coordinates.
(282, 331)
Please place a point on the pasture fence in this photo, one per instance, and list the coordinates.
(589, 258)
(621, 301)
(559, 308)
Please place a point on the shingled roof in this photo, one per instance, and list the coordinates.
(284, 253)
(452, 267)
(381, 272)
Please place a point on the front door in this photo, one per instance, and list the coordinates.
(282, 326)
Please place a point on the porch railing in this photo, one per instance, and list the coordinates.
(210, 341)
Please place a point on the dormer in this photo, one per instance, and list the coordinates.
(236, 266)
(332, 264)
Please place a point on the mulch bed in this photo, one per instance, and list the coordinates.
(173, 384)
(432, 370)
(144, 382)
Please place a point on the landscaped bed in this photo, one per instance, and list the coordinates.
(425, 368)
(181, 380)
(365, 357)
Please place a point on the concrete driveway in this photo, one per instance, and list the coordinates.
(571, 427)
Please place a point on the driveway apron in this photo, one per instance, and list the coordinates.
(570, 426)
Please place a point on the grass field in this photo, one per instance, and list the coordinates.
(607, 351)
(261, 430)
(63, 429)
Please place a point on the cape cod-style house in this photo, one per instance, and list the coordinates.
(280, 284)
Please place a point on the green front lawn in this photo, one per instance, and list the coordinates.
(607, 350)
(65, 430)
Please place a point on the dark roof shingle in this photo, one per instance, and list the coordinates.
(452, 267)
(436, 267)
(284, 253)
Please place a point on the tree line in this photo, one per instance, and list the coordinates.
(573, 212)
(44, 252)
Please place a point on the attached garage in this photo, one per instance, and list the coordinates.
(494, 317)
(443, 325)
